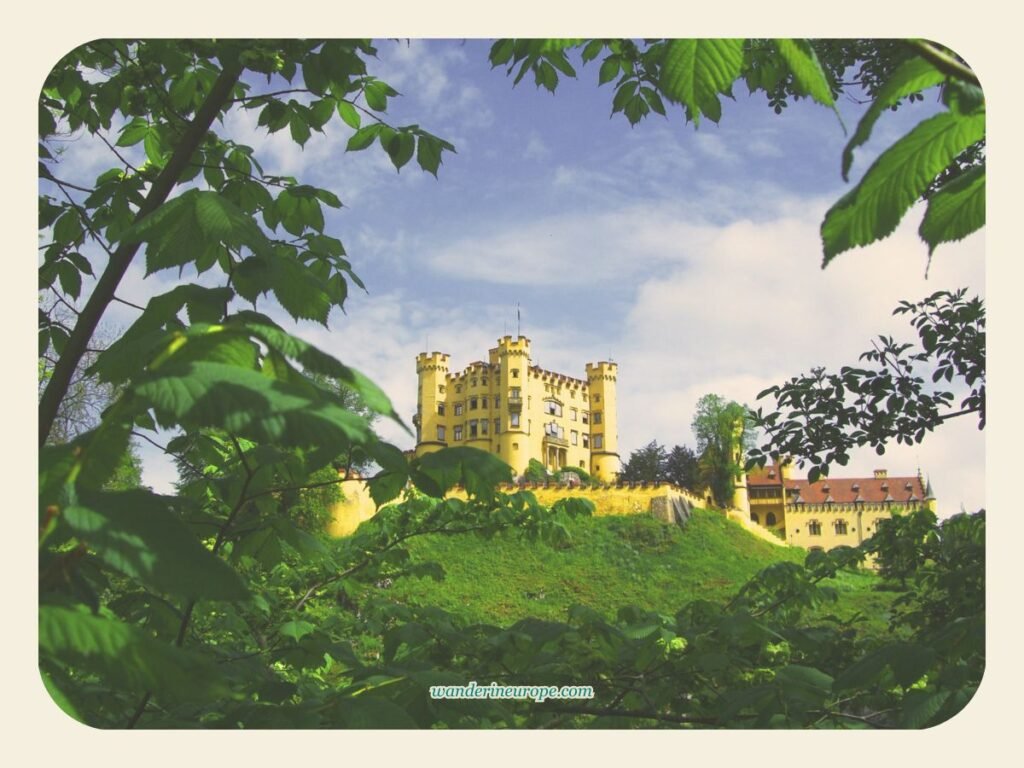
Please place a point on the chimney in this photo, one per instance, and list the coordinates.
(881, 474)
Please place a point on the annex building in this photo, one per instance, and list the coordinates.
(518, 411)
(831, 511)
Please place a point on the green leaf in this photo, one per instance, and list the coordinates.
(911, 77)
(68, 228)
(919, 707)
(251, 405)
(70, 279)
(123, 656)
(428, 154)
(136, 533)
(349, 114)
(297, 629)
(133, 132)
(609, 70)
(376, 95)
(694, 72)
(478, 471)
(896, 180)
(59, 698)
(299, 128)
(956, 210)
(400, 149)
(363, 138)
(803, 63)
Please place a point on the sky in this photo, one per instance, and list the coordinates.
(689, 256)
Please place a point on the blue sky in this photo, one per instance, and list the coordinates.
(690, 257)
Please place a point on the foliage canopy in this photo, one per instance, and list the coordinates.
(218, 607)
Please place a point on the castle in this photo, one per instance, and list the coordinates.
(830, 511)
(519, 412)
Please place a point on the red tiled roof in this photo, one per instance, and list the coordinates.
(762, 476)
(841, 490)
(844, 490)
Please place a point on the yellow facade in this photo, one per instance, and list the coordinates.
(517, 411)
(829, 512)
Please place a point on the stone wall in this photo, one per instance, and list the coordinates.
(668, 503)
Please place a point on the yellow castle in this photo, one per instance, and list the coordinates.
(830, 511)
(519, 411)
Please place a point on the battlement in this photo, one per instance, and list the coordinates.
(510, 345)
(602, 370)
(432, 361)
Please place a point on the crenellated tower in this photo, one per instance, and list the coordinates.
(431, 401)
(605, 463)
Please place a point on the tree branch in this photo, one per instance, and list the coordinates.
(119, 261)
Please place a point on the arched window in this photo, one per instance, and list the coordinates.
(753, 517)
(841, 527)
(770, 519)
(814, 528)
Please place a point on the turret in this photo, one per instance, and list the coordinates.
(513, 355)
(740, 493)
(431, 417)
(605, 463)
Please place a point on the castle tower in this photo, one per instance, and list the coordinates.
(513, 357)
(605, 463)
(740, 493)
(431, 398)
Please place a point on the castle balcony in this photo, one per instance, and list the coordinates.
(561, 442)
(514, 403)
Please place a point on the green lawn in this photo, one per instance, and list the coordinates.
(611, 562)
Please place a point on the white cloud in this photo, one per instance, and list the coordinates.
(536, 149)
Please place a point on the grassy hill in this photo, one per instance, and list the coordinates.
(611, 562)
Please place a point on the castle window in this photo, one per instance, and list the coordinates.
(581, 465)
(440, 389)
(458, 389)
(473, 427)
(770, 519)
(515, 373)
(753, 517)
(573, 413)
(586, 440)
(597, 417)
(841, 527)
(513, 419)
(497, 400)
(472, 382)
(574, 437)
(598, 442)
(458, 409)
(440, 434)
(515, 393)
(497, 426)
(586, 417)
(552, 408)
(483, 426)
(472, 403)
(483, 382)
(597, 398)
(440, 409)
(457, 432)
(814, 528)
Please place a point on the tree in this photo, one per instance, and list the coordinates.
(820, 417)
(645, 465)
(722, 433)
(682, 468)
(941, 160)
